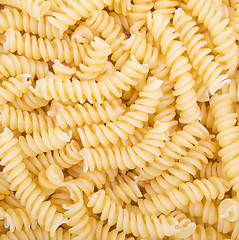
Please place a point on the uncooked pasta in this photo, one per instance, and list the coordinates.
(119, 120)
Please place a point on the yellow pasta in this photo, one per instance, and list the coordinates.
(119, 120)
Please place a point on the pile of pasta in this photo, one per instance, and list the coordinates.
(119, 119)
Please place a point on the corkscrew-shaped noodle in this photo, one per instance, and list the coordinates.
(38, 233)
(95, 62)
(222, 36)
(211, 188)
(89, 114)
(212, 169)
(166, 7)
(4, 186)
(17, 218)
(174, 149)
(36, 8)
(75, 10)
(141, 49)
(12, 65)
(229, 209)
(106, 26)
(127, 157)
(121, 7)
(26, 191)
(145, 226)
(13, 87)
(21, 20)
(200, 55)
(46, 140)
(186, 101)
(186, 167)
(78, 221)
(24, 121)
(64, 158)
(40, 48)
(139, 12)
(225, 121)
(51, 178)
(92, 91)
(63, 71)
(29, 102)
(126, 124)
(205, 209)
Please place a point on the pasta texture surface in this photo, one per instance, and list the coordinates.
(119, 120)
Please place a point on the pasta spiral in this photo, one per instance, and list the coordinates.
(211, 188)
(75, 10)
(24, 121)
(36, 9)
(12, 65)
(13, 87)
(126, 124)
(228, 135)
(186, 167)
(92, 91)
(89, 114)
(95, 60)
(174, 149)
(79, 221)
(229, 209)
(130, 222)
(206, 209)
(46, 140)
(51, 178)
(142, 50)
(20, 20)
(36, 234)
(121, 7)
(43, 48)
(63, 158)
(126, 157)
(18, 218)
(222, 35)
(186, 101)
(29, 102)
(202, 60)
(105, 24)
(26, 190)
(213, 170)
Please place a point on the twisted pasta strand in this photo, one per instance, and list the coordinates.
(43, 48)
(13, 87)
(17, 218)
(141, 225)
(36, 8)
(12, 65)
(24, 121)
(186, 101)
(222, 35)
(89, 114)
(200, 55)
(126, 157)
(4, 186)
(63, 158)
(51, 178)
(21, 20)
(126, 124)
(26, 191)
(174, 149)
(225, 121)
(141, 49)
(92, 91)
(74, 11)
(79, 221)
(95, 61)
(185, 168)
(211, 188)
(45, 141)
(121, 7)
(106, 26)
(29, 102)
